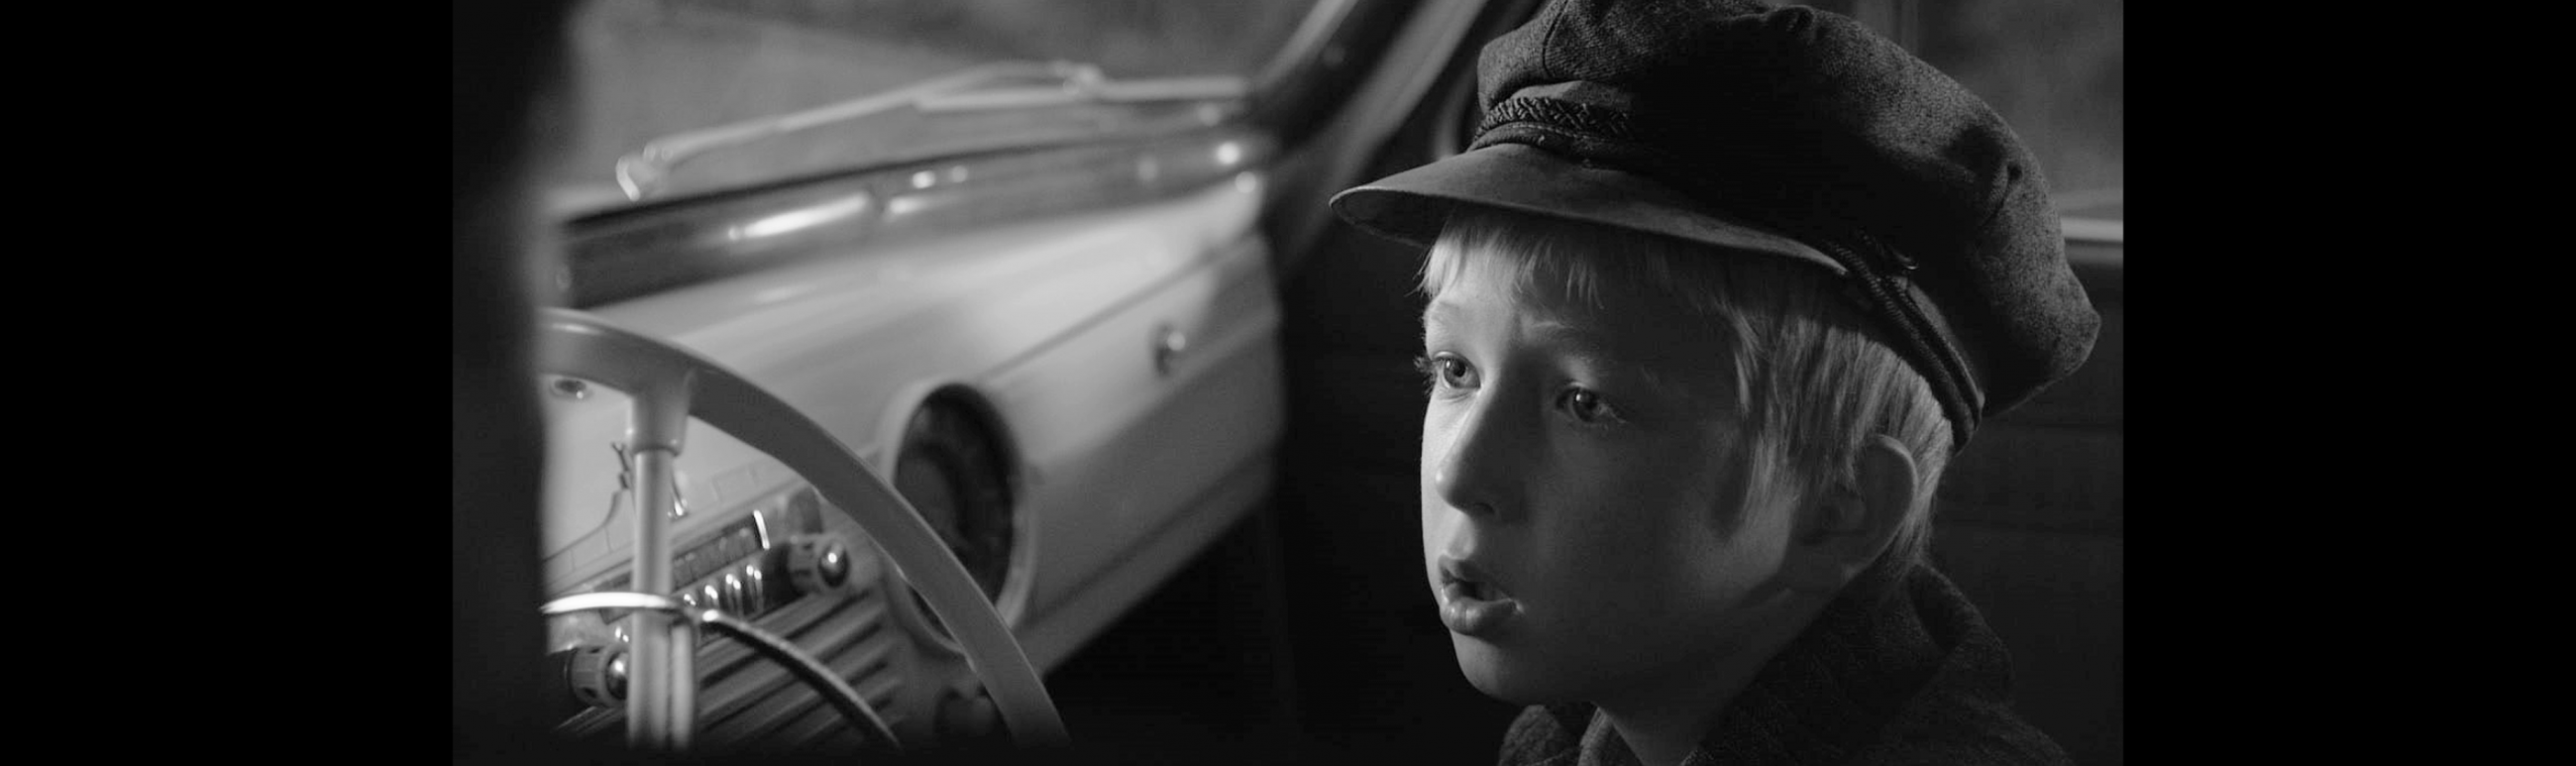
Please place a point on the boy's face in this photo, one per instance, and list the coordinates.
(1570, 468)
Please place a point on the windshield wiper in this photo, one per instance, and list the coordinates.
(1056, 83)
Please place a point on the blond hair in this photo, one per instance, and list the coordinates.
(1809, 380)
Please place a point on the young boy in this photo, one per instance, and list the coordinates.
(1714, 295)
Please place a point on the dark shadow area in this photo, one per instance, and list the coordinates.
(1197, 665)
(2032, 525)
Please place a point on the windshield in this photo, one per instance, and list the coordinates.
(724, 72)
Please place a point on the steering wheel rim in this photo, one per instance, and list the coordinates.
(670, 384)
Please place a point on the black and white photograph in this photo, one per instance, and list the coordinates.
(1522, 382)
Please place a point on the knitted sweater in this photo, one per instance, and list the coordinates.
(1897, 670)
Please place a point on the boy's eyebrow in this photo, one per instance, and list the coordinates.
(1599, 348)
(1589, 343)
(1438, 308)
(1592, 345)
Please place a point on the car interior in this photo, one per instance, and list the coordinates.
(872, 393)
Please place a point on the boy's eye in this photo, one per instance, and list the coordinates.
(1586, 405)
(1446, 371)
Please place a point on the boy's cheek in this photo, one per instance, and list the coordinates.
(1438, 524)
(1438, 416)
(1437, 428)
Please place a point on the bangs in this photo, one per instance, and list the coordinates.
(1569, 263)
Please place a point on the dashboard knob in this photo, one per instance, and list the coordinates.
(819, 563)
(597, 674)
(734, 597)
(755, 587)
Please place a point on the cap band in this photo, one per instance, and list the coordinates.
(1603, 122)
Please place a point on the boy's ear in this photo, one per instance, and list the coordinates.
(1840, 533)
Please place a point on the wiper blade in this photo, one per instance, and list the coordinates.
(1057, 83)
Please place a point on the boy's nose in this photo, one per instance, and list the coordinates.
(1475, 472)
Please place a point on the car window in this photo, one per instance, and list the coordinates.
(651, 69)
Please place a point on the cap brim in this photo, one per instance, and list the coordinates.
(1413, 205)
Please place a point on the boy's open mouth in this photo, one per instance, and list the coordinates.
(1470, 603)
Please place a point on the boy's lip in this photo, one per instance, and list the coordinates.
(1471, 603)
(1454, 568)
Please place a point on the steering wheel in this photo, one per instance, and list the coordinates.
(668, 385)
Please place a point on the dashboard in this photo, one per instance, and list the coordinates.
(1077, 402)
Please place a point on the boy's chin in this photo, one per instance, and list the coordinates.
(1496, 673)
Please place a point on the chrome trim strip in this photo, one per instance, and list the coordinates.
(638, 251)
(1089, 91)
(642, 172)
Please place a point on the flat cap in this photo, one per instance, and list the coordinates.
(1787, 131)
